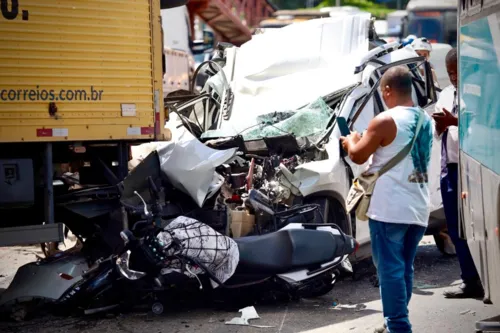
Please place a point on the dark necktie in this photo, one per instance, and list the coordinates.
(444, 150)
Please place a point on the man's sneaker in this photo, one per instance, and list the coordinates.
(382, 329)
(466, 290)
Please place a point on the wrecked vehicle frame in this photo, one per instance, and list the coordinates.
(357, 102)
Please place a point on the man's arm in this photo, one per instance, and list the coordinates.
(381, 131)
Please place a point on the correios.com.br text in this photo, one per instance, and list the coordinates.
(52, 95)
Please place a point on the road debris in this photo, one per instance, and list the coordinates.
(247, 314)
(357, 307)
(424, 286)
(468, 311)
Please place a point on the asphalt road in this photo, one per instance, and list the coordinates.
(430, 312)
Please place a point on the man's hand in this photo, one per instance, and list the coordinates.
(350, 140)
(381, 131)
(444, 120)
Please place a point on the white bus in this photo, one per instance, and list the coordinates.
(434, 19)
(479, 133)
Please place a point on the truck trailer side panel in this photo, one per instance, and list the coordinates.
(80, 70)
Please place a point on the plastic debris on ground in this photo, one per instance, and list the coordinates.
(424, 286)
(247, 314)
(356, 307)
(468, 311)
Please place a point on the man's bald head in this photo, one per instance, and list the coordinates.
(452, 57)
(397, 81)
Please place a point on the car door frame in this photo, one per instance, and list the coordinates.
(430, 94)
(430, 88)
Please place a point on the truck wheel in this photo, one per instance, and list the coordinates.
(444, 243)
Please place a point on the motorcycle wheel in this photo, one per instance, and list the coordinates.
(157, 308)
(318, 286)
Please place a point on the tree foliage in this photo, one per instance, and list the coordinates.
(378, 8)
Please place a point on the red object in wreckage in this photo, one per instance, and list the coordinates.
(65, 276)
(250, 175)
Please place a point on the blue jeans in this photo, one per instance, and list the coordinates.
(449, 193)
(394, 247)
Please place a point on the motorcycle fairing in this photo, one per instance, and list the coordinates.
(43, 280)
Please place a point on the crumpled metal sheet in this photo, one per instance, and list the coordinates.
(190, 166)
(288, 68)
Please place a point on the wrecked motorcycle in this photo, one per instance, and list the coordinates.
(298, 260)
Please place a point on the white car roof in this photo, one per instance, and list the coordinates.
(290, 67)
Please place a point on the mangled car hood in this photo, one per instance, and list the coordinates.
(288, 68)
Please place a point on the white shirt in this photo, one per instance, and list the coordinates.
(446, 100)
(401, 195)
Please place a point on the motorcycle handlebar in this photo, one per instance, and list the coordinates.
(151, 209)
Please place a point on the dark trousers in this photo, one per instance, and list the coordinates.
(449, 192)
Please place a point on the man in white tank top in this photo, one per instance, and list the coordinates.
(399, 208)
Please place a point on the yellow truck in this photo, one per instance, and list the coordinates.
(80, 81)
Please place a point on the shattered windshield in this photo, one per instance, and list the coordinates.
(310, 120)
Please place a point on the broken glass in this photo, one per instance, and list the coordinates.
(308, 121)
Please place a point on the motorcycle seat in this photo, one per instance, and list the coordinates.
(287, 250)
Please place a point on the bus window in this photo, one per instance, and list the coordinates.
(450, 19)
(430, 27)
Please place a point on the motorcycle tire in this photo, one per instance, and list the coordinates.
(157, 308)
(319, 286)
(318, 292)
